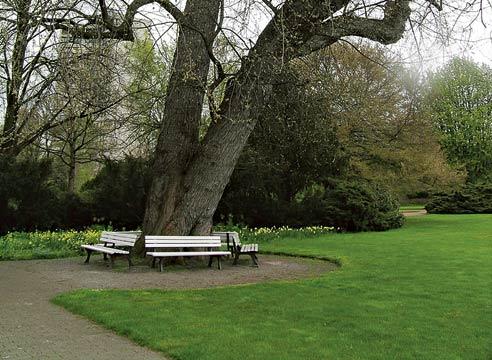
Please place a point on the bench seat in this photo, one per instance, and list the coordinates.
(105, 249)
(247, 248)
(156, 245)
(188, 253)
(231, 240)
(113, 244)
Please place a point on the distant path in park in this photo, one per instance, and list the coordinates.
(410, 213)
(33, 328)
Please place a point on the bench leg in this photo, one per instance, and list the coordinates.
(129, 262)
(255, 259)
(219, 264)
(161, 264)
(210, 261)
(111, 261)
(153, 262)
(236, 258)
(105, 256)
(89, 252)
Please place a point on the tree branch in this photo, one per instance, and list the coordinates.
(106, 29)
(387, 30)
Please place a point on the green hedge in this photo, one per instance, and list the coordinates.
(469, 199)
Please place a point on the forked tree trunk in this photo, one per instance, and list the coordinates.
(189, 176)
(179, 135)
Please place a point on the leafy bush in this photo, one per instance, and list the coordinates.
(117, 194)
(351, 206)
(26, 194)
(356, 205)
(30, 200)
(469, 199)
(45, 245)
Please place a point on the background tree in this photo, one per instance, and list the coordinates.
(148, 76)
(89, 79)
(344, 114)
(460, 105)
(27, 68)
(294, 146)
(377, 107)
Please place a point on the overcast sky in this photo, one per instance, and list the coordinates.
(468, 36)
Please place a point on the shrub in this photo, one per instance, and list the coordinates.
(352, 206)
(469, 199)
(26, 194)
(117, 194)
(44, 245)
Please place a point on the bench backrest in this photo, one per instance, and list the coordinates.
(159, 242)
(127, 238)
(231, 238)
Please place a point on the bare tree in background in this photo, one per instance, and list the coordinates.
(30, 67)
(27, 67)
(88, 80)
(190, 169)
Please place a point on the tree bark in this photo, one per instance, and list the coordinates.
(179, 135)
(72, 172)
(8, 138)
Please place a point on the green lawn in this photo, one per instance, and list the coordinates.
(412, 207)
(420, 292)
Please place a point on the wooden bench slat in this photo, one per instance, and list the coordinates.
(164, 242)
(105, 249)
(116, 238)
(109, 243)
(120, 236)
(231, 238)
(249, 248)
(160, 245)
(119, 243)
(188, 253)
(185, 238)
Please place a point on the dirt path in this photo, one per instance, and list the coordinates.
(33, 328)
(410, 213)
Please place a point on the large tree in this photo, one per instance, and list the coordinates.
(460, 105)
(191, 169)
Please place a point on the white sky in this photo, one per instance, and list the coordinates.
(469, 36)
(424, 50)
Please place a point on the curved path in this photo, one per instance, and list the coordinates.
(33, 328)
(410, 213)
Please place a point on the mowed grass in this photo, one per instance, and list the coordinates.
(420, 292)
(412, 207)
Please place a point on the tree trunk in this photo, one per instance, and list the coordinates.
(8, 138)
(72, 172)
(208, 171)
(189, 177)
(179, 135)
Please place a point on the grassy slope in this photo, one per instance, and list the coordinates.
(424, 291)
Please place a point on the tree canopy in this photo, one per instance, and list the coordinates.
(460, 105)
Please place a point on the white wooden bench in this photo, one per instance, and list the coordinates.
(231, 240)
(161, 247)
(113, 244)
